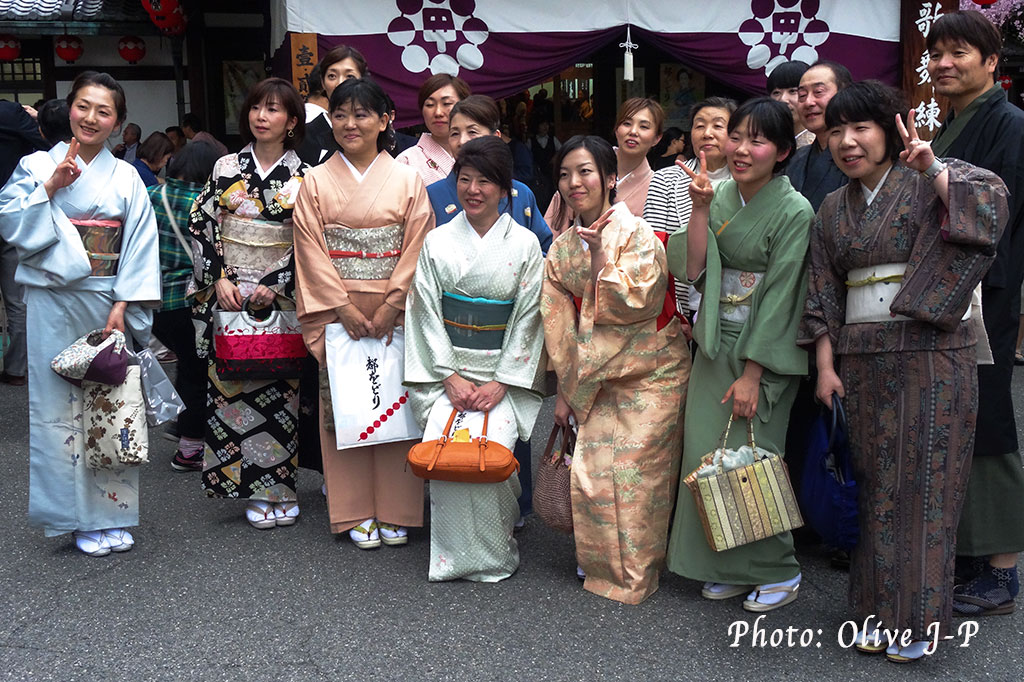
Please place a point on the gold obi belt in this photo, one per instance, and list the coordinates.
(364, 252)
(737, 288)
(477, 323)
(102, 242)
(251, 246)
(870, 292)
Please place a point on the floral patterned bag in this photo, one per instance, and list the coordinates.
(116, 432)
(248, 348)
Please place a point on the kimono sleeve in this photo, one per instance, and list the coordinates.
(419, 220)
(138, 269)
(947, 261)
(825, 307)
(769, 335)
(204, 224)
(429, 354)
(631, 287)
(523, 345)
(558, 314)
(37, 227)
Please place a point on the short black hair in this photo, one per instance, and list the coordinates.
(193, 164)
(479, 109)
(769, 119)
(604, 158)
(966, 26)
(174, 129)
(54, 122)
(315, 83)
(786, 75)
(191, 120)
(489, 156)
(368, 94)
(873, 101)
(840, 74)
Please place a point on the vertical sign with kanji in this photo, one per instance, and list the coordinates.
(303, 58)
(916, 19)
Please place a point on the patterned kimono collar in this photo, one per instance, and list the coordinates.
(435, 152)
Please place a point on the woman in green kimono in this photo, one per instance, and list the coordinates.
(745, 251)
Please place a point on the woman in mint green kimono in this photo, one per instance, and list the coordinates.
(745, 251)
(474, 343)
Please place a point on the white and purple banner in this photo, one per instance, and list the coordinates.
(503, 46)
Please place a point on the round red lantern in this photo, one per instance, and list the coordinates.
(131, 49)
(984, 2)
(10, 48)
(69, 48)
(1006, 82)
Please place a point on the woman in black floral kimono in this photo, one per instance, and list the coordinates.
(252, 428)
(895, 258)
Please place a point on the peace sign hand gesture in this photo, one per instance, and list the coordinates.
(701, 191)
(67, 171)
(918, 153)
(592, 235)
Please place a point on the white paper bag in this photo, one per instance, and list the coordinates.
(370, 403)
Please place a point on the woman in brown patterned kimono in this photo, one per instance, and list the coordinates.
(622, 371)
(895, 257)
(252, 427)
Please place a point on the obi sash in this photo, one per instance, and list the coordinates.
(365, 252)
(737, 288)
(251, 246)
(870, 292)
(477, 323)
(102, 242)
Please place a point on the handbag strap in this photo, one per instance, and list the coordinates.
(174, 223)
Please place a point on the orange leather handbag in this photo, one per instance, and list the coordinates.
(475, 461)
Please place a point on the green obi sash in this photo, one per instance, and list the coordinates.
(477, 323)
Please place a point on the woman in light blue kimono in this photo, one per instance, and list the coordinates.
(88, 249)
(474, 344)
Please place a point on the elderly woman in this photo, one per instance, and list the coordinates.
(475, 344)
(622, 368)
(895, 256)
(89, 259)
(432, 156)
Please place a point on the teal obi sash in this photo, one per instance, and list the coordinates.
(477, 323)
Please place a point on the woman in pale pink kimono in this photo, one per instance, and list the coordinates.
(432, 157)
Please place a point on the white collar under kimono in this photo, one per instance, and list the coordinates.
(870, 194)
(355, 172)
(256, 162)
(471, 243)
(313, 111)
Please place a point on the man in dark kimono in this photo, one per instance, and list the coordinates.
(812, 170)
(984, 129)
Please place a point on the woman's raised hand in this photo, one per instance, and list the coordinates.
(918, 153)
(701, 191)
(592, 235)
(66, 172)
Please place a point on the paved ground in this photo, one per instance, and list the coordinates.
(205, 597)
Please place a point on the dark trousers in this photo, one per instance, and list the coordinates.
(524, 455)
(174, 329)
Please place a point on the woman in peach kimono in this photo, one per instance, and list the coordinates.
(637, 129)
(622, 373)
(360, 220)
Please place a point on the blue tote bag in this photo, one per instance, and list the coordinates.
(828, 494)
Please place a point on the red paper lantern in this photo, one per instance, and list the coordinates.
(167, 15)
(131, 49)
(69, 48)
(10, 48)
(1006, 82)
(984, 2)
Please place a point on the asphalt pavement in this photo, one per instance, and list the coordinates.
(203, 596)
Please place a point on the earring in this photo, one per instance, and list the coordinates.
(291, 132)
